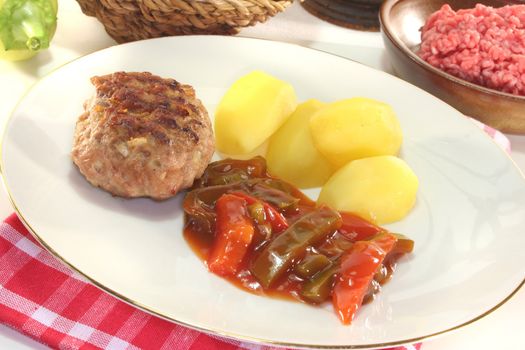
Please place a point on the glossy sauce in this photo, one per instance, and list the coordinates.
(199, 233)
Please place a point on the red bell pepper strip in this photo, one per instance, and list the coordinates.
(356, 228)
(358, 267)
(276, 219)
(234, 231)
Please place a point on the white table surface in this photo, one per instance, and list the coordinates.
(78, 35)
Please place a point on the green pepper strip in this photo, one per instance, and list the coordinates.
(319, 288)
(280, 253)
(311, 264)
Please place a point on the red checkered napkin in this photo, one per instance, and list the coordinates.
(497, 136)
(47, 301)
(54, 305)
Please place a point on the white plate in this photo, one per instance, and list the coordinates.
(467, 224)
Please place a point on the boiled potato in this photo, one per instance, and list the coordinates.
(356, 128)
(253, 108)
(381, 189)
(259, 151)
(291, 153)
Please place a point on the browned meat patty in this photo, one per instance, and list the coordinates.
(142, 135)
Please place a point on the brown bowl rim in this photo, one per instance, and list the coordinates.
(384, 20)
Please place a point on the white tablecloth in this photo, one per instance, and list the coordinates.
(78, 35)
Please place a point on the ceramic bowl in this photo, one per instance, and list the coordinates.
(401, 21)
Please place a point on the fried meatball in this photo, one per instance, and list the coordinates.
(142, 136)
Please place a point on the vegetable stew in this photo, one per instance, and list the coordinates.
(265, 236)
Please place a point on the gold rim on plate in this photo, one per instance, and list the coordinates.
(212, 331)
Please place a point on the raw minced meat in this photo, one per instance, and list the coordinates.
(483, 45)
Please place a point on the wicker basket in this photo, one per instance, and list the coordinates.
(128, 20)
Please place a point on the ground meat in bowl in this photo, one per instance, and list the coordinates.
(142, 136)
(483, 45)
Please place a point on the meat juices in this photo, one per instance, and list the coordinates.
(483, 45)
(142, 136)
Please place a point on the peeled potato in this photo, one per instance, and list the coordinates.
(254, 107)
(356, 128)
(381, 189)
(291, 153)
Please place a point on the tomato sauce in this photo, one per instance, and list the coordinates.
(295, 248)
